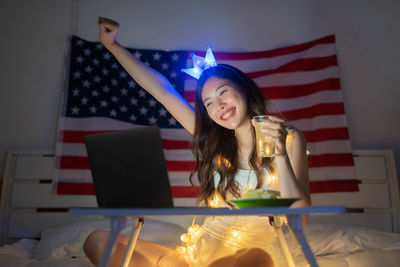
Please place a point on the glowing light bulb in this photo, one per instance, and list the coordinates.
(193, 229)
(191, 249)
(185, 238)
(180, 250)
(235, 234)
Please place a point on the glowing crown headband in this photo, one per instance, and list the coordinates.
(201, 63)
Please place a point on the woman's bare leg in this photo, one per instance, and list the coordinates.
(254, 257)
(145, 253)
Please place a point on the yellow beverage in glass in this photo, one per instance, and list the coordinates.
(264, 146)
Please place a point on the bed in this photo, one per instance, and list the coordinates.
(36, 229)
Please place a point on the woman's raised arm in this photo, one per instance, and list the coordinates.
(151, 80)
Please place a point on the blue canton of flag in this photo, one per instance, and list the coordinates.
(99, 86)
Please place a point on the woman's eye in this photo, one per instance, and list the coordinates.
(208, 104)
(222, 92)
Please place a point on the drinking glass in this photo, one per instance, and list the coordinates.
(264, 146)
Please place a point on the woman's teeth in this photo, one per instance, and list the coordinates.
(226, 115)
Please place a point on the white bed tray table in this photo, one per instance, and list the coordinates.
(120, 216)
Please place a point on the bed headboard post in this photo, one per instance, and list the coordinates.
(5, 198)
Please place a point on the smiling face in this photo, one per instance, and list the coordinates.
(224, 103)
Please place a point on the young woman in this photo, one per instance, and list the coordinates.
(224, 142)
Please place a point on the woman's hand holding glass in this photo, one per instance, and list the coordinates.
(271, 135)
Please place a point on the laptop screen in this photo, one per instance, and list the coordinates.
(128, 169)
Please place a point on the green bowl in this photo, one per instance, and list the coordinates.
(262, 202)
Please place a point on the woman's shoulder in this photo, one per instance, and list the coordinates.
(295, 138)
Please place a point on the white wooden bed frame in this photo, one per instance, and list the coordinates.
(28, 204)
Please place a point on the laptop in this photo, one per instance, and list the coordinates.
(128, 169)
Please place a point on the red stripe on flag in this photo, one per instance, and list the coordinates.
(333, 186)
(175, 144)
(314, 111)
(185, 191)
(82, 163)
(292, 91)
(330, 160)
(303, 64)
(326, 134)
(65, 188)
(330, 39)
(74, 162)
(180, 166)
(77, 137)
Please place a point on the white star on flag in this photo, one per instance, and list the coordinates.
(113, 113)
(75, 110)
(107, 56)
(133, 101)
(175, 57)
(152, 120)
(164, 66)
(162, 112)
(131, 84)
(124, 91)
(104, 103)
(143, 110)
(123, 109)
(142, 93)
(86, 84)
(152, 102)
(79, 59)
(88, 69)
(87, 51)
(172, 121)
(138, 54)
(84, 100)
(97, 79)
(77, 74)
(156, 56)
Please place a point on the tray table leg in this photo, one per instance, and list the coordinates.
(117, 224)
(132, 241)
(296, 224)
(277, 224)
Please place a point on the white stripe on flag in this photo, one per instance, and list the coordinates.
(331, 173)
(307, 101)
(320, 122)
(270, 63)
(101, 124)
(284, 79)
(334, 146)
(297, 78)
(74, 149)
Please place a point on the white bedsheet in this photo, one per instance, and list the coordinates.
(333, 245)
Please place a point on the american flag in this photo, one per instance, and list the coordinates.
(302, 82)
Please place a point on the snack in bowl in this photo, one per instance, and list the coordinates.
(262, 193)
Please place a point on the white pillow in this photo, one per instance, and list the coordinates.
(325, 239)
(67, 241)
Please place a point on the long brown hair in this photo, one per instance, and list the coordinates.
(215, 148)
